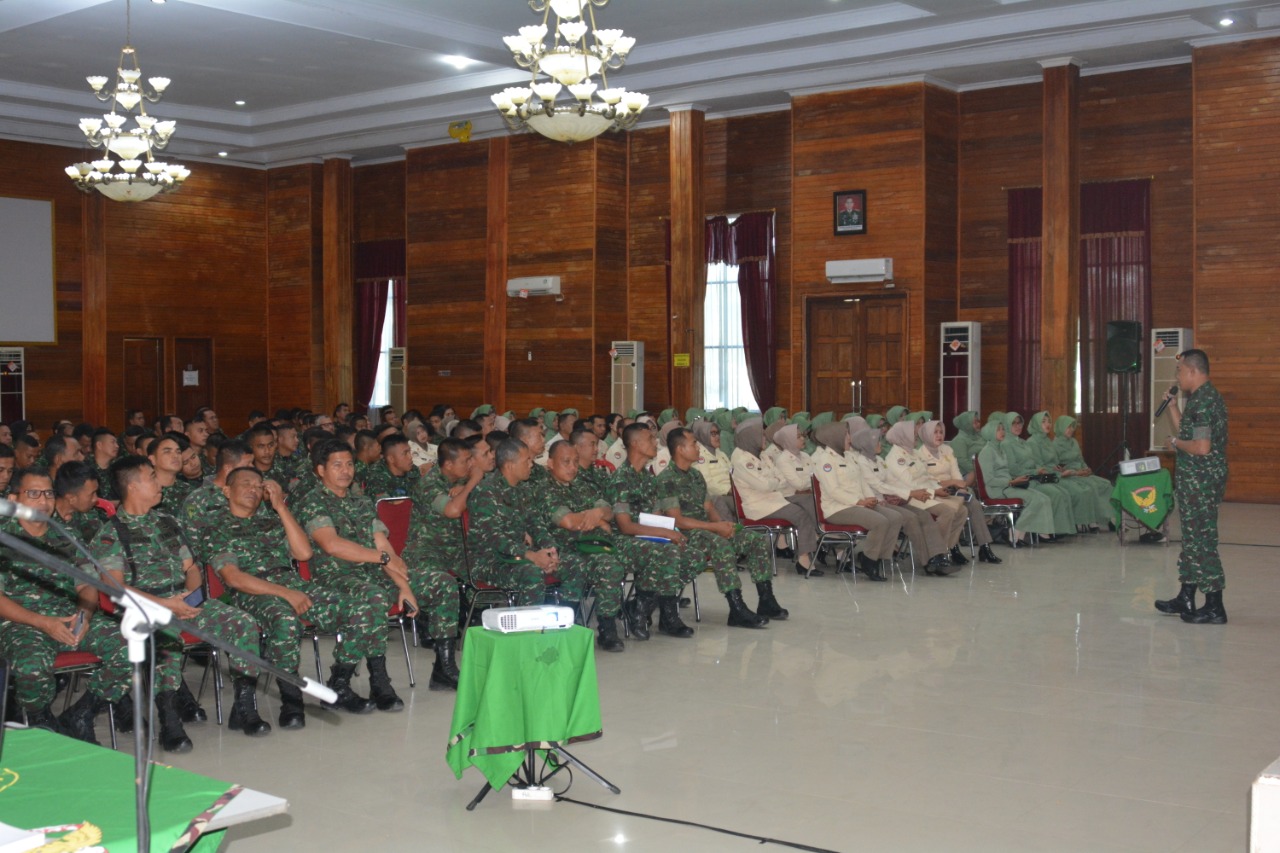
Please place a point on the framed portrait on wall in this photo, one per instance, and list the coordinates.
(850, 212)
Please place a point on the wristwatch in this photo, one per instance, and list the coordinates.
(386, 558)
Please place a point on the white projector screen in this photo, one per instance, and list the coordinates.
(27, 294)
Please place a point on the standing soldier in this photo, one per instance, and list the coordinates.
(1201, 444)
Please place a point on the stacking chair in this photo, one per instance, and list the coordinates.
(835, 534)
(75, 664)
(476, 594)
(1007, 508)
(192, 644)
(771, 527)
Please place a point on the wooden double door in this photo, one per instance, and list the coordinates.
(855, 339)
(180, 386)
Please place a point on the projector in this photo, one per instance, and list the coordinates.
(1145, 465)
(509, 620)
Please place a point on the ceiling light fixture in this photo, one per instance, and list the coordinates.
(576, 53)
(140, 175)
(458, 62)
(1226, 21)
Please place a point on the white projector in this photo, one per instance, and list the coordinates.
(509, 620)
(1145, 465)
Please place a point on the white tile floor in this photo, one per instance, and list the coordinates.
(1038, 705)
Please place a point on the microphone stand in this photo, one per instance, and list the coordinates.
(141, 618)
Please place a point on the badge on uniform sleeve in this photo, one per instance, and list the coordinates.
(751, 465)
(902, 460)
(827, 467)
(702, 461)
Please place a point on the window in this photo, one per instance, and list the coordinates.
(725, 383)
(382, 382)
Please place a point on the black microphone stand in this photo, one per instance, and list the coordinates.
(140, 619)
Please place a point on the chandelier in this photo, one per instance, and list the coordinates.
(575, 53)
(139, 176)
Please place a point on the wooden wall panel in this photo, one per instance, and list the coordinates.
(1237, 298)
(379, 202)
(647, 301)
(941, 160)
(610, 292)
(294, 358)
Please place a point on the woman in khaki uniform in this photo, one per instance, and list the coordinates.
(847, 500)
(904, 467)
(942, 467)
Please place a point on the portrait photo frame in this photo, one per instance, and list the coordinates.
(849, 212)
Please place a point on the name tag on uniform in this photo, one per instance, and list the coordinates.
(712, 461)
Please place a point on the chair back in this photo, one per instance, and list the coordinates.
(817, 500)
(737, 500)
(107, 507)
(606, 465)
(395, 513)
(214, 581)
(304, 569)
(979, 482)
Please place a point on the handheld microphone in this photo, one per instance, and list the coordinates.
(1164, 405)
(22, 513)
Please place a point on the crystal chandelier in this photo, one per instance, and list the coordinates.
(140, 175)
(576, 53)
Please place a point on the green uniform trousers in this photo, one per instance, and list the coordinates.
(1199, 562)
(723, 555)
(31, 652)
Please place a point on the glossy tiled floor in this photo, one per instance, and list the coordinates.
(1038, 705)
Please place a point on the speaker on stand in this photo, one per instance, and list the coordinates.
(1124, 356)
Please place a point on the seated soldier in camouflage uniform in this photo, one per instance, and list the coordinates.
(202, 511)
(261, 441)
(165, 454)
(144, 548)
(394, 474)
(75, 492)
(307, 479)
(661, 570)
(253, 545)
(7, 465)
(39, 609)
(105, 449)
(580, 522)
(684, 497)
(354, 561)
(510, 546)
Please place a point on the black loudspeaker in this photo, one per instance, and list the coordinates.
(1124, 347)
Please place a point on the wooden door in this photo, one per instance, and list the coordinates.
(855, 339)
(144, 376)
(193, 362)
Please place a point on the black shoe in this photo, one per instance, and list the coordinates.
(767, 605)
(638, 611)
(188, 707)
(122, 714)
(939, 566)
(292, 713)
(1212, 613)
(740, 615)
(607, 634)
(785, 553)
(172, 736)
(986, 555)
(244, 712)
(1183, 602)
(381, 693)
(340, 682)
(958, 559)
(444, 673)
(43, 718)
(811, 572)
(870, 568)
(669, 622)
(77, 721)
(685, 601)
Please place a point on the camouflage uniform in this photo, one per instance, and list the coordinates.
(579, 570)
(501, 517)
(199, 515)
(171, 497)
(687, 492)
(106, 488)
(661, 568)
(306, 483)
(85, 524)
(283, 471)
(29, 650)
(1201, 483)
(159, 554)
(379, 482)
(434, 550)
(259, 546)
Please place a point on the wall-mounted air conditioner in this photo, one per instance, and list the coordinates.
(534, 285)
(860, 271)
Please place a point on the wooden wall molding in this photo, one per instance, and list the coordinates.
(1060, 282)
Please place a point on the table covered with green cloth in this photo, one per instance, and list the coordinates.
(51, 780)
(1147, 497)
(521, 689)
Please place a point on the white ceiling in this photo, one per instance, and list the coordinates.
(366, 78)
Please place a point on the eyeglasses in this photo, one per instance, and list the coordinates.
(36, 494)
(715, 432)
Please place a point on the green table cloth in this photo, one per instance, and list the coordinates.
(51, 780)
(1147, 497)
(519, 690)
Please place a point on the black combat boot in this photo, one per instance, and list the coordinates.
(172, 737)
(1183, 602)
(986, 555)
(638, 611)
(43, 718)
(957, 558)
(870, 568)
(340, 682)
(669, 622)
(1213, 613)
(380, 689)
(292, 713)
(244, 713)
(767, 605)
(444, 674)
(188, 707)
(607, 634)
(740, 615)
(122, 713)
(77, 721)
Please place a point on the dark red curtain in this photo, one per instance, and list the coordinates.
(1024, 300)
(378, 266)
(1115, 284)
(753, 253)
(719, 240)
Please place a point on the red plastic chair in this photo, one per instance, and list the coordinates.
(771, 527)
(396, 513)
(75, 664)
(606, 465)
(1007, 508)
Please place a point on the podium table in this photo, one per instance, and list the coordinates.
(1146, 498)
(520, 693)
(51, 780)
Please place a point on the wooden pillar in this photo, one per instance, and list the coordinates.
(688, 254)
(495, 284)
(93, 325)
(1060, 281)
(339, 284)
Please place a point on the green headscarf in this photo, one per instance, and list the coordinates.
(919, 417)
(797, 417)
(666, 415)
(822, 418)
(1067, 449)
(1041, 445)
(773, 414)
(724, 419)
(895, 414)
(549, 419)
(693, 413)
(963, 423)
(481, 411)
(874, 421)
(989, 431)
(967, 442)
(537, 413)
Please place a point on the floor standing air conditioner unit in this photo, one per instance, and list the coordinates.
(13, 397)
(397, 393)
(627, 372)
(960, 373)
(1165, 346)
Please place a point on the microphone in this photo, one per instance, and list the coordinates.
(22, 513)
(1165, 404)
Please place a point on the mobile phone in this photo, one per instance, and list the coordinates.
(78, 623)
(195, 598)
